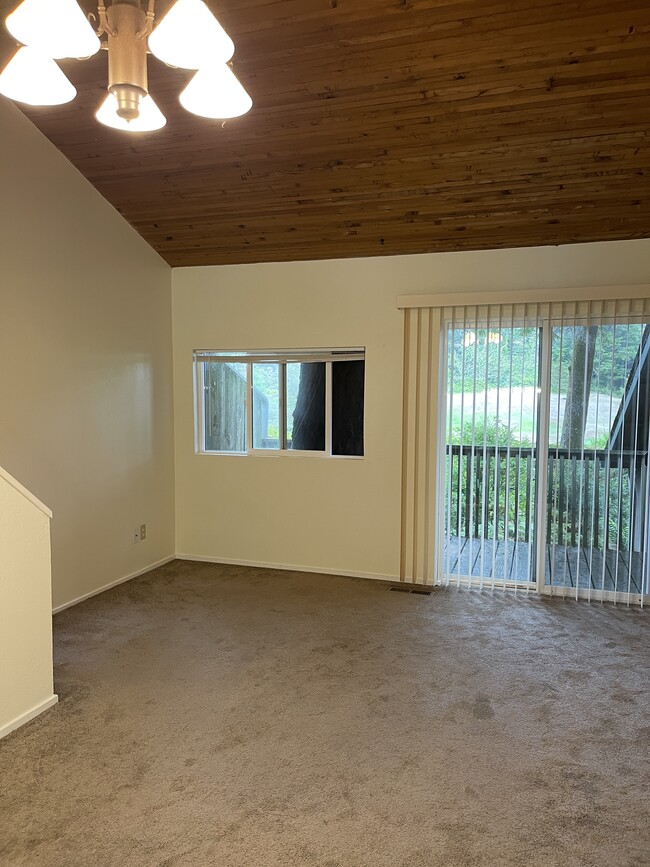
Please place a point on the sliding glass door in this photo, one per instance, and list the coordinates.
(596, 509)
(545, 449)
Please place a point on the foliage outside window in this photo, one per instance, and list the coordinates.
(272, 402)
(494, 393)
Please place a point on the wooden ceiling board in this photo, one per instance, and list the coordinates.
(385, 127)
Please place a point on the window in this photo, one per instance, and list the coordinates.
(272, 402)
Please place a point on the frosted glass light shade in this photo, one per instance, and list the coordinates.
(189, 36)
(57, 28)
(215, 92)
(35, 79)
(149, 119)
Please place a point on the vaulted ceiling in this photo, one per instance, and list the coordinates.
(383, 127)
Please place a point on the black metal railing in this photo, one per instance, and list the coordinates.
(596, 498)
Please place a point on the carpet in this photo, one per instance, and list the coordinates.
(220, 715)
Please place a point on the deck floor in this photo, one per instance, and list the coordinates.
(569, 567)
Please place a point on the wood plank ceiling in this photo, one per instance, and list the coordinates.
(383, 127)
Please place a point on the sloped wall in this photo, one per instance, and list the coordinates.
(85, 365)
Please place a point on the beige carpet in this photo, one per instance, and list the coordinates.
(244, 718)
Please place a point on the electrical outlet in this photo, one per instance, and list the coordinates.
(143, 532)
(136, 535)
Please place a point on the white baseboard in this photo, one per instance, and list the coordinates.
(27, 716)
(289, 567)
(113, 584)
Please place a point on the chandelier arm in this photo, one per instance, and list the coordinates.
(104, 26)
(148, 27)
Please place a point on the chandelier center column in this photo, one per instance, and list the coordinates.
(127, 57)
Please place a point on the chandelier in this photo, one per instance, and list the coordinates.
(188, 37)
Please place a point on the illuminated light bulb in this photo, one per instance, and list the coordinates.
(57, 28)
(149, 119)
(189, 36)
(129, 100)
(215, 92)
(35, 79)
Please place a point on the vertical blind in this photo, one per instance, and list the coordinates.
(419, 420)
(491, 425)
(525, 447)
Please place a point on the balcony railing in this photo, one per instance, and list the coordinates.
(596, 498)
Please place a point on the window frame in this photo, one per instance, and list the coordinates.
(281, 358)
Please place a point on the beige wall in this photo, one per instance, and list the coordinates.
(333, 515)
(25, 607)
(85, 366)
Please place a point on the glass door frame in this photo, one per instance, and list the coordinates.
(545, 323)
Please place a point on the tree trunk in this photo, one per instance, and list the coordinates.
(309, 414)
(577, 399)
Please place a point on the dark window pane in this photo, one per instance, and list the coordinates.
(347, 407)
(306, 406)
